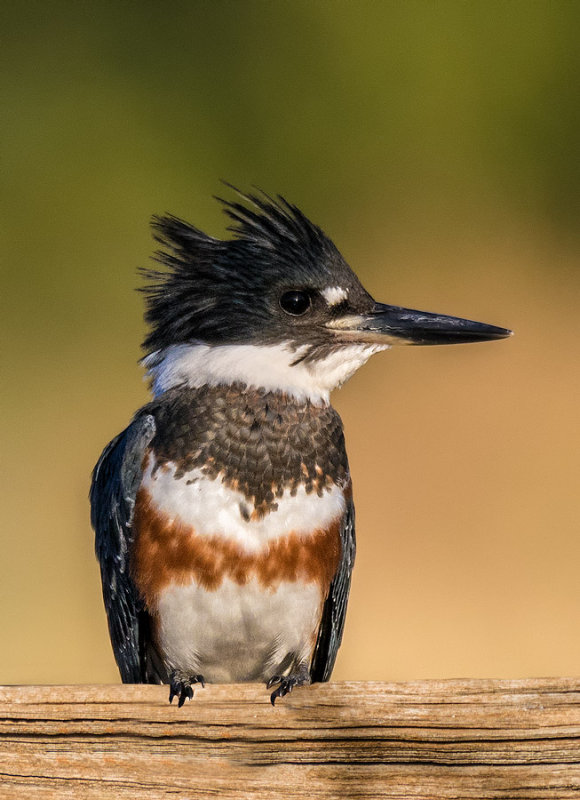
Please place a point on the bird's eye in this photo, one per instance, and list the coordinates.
(295, 302)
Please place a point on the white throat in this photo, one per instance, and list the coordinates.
(267, 367)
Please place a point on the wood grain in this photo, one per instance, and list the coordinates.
(429, 739)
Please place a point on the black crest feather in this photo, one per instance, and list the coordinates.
(274, 223)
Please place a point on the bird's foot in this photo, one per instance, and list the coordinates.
(286, 684)
(181, 686)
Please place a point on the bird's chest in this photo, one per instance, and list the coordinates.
(237, 532)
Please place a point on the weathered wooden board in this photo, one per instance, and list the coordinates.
(429, 739)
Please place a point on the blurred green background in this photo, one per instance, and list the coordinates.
(437, 144)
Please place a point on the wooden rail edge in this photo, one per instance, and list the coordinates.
(426, 739)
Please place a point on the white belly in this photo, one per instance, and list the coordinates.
(238, 633)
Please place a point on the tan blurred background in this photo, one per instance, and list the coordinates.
(437, 144)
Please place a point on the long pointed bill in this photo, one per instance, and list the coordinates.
(396, 325)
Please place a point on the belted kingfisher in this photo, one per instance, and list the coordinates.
(223, 513)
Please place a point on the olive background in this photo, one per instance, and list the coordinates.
(437, 144)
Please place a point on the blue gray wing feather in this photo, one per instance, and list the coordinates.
(115, 482)
(334, 612)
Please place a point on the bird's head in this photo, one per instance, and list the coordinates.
(275, 307)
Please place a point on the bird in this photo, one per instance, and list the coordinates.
(223, 514)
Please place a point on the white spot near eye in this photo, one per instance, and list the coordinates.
(334, 295)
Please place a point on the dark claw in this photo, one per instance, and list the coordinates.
(286, 686)
(182, 688)
(299, 678)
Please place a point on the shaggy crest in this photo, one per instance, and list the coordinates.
(222, 291)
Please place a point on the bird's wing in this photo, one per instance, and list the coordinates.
(116, 479)
(334, 612)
